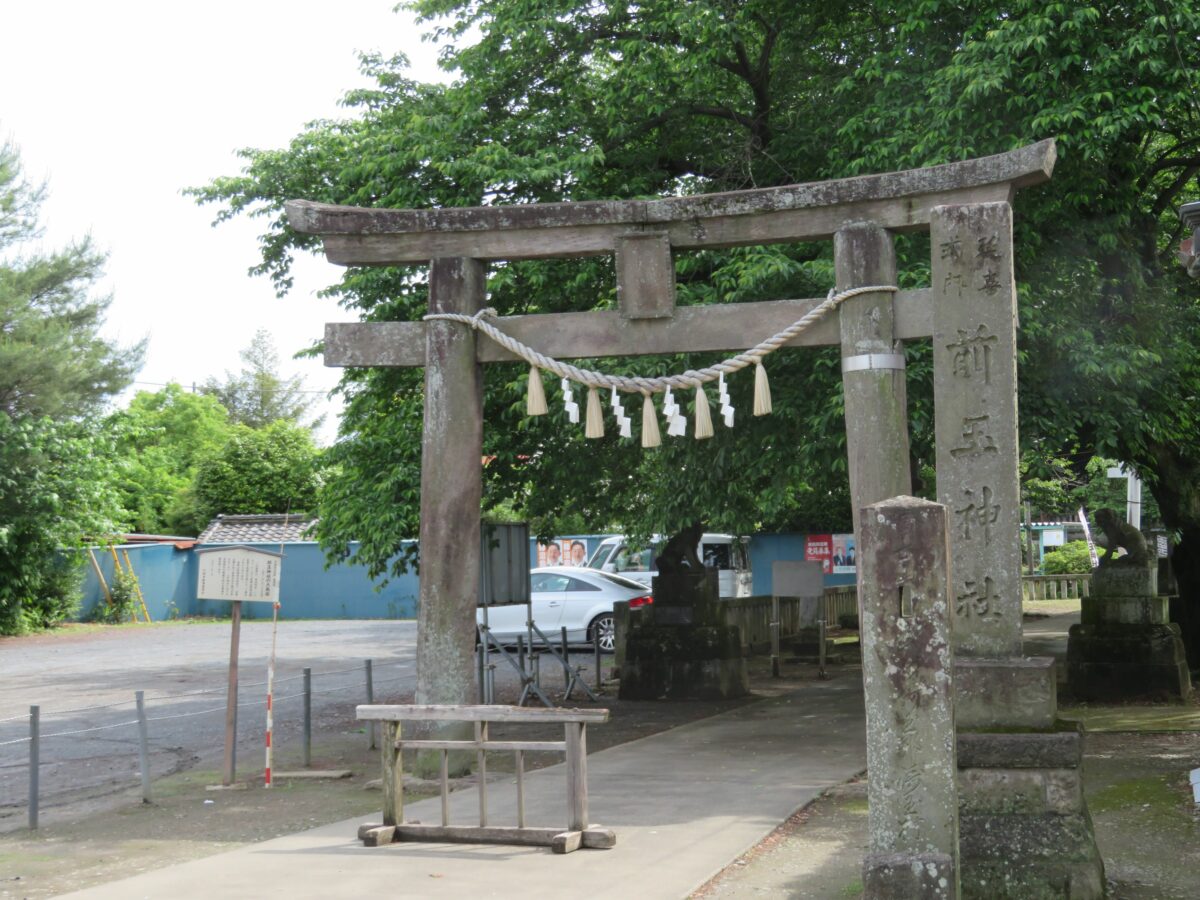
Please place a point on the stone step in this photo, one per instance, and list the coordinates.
(1057, 747)
(1028, 857)
(1016, 692)
(1026, 791)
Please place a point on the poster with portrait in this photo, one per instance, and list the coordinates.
(563, 552)
(550, 554)
(844, 561)
(819, 548)
(575, 552)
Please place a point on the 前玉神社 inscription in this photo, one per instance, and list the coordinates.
(975, 395)
(977, 517)
(973, 353)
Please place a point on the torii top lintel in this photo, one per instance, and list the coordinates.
(899, 201)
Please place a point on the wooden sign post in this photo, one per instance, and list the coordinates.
(236, 573)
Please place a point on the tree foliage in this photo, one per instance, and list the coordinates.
(258, 395)
(163, 436)
(57, 466)
(56, 492)
(53, 361)
(568, 100)
(269, 470)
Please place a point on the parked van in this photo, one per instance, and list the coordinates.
(723, 552)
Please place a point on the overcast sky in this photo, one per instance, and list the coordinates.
(121, 105)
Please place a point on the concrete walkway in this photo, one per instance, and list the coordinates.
(684, 804)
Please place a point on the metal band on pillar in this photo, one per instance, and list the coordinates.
(866, 361)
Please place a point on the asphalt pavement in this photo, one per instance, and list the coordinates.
(84, 683)
(683, 803)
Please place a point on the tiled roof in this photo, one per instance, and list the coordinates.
(265, 529)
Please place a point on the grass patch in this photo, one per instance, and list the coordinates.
(1134, 719)
(1150, 797)
(854, 805)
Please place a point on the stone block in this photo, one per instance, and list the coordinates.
(1004, 693)
(904, 572)
(907, 876)
(675, 679)
(1117, 662)
(696, 593)
(1058, 749)
(1028, 791)
(1148, 610)
(1030, 857)
(1124, 581)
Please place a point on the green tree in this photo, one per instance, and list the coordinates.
(162, 437)
(578, 101)
(57, 465)
(56, 492)
(259, 395)
(269, 470)
(53, 361)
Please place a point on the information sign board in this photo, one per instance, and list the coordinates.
(238, 573)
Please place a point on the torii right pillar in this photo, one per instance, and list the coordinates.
(1024, 829)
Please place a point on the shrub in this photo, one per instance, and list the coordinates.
(123, 590)
(1069, 559)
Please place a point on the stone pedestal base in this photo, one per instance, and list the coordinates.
(909, 876)
(676, 662)
(1024, 830)
(1111, 661)
(678, 679)
(1049, 856)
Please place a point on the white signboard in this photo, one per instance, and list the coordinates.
(1054, 537)
(238, 573)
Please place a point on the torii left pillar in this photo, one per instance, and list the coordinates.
(451, 493)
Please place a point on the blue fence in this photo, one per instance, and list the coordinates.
(308, 590)
(766, 549)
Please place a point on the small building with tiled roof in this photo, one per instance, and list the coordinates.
(276, 528)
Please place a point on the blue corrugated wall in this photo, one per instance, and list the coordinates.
(766, 549)
(307, 589)
(310, 591)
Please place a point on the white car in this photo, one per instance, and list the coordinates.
(578, 599)
(723, 552)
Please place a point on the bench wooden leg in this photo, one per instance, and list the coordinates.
(577, 796)
(393, 775)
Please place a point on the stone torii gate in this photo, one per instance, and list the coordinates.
(969, 312)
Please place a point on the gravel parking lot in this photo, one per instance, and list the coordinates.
(84, 679)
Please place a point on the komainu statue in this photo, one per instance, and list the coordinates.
(679, 554)
(1118, 534)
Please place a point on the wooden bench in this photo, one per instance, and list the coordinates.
(578, 833)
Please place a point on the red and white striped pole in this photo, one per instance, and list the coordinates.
(270, 692)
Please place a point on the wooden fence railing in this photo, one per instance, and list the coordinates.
(578, 833)
(1055, 587)
(753, 614)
